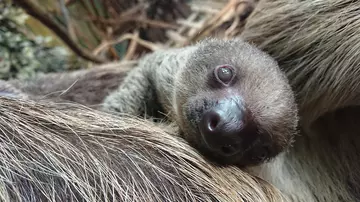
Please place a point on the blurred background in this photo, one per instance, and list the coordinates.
(42, 36)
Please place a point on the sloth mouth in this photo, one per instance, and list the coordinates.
(256, 153)
(227, 149)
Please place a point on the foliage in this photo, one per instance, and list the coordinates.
(21, 54)
(106, 30)
(100, 31)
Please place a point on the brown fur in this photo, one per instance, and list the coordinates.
(316, 44)
(67, 152)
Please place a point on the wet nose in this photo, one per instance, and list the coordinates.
(227, 128)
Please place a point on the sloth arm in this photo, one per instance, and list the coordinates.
(149, 86)
(132, 95)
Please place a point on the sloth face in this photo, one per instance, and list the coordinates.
(234, 104)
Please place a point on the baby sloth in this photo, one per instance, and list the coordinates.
(230, 100)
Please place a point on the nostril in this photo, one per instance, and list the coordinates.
(211, 121)
(214, 122)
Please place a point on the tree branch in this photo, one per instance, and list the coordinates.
(35, 11)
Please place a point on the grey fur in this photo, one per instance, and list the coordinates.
(9, 90)
(88, 87)
(172, 81)
(150, 84)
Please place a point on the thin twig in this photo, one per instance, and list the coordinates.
(66, 15)
(146, 44)
(228, 11)
(143, 20)
(132, 47)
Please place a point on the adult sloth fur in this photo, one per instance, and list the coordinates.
(316, 43)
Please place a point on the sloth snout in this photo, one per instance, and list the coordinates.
(226, 128)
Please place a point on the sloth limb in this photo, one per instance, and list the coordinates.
(149, 85)
(88, 87)
(9, 90)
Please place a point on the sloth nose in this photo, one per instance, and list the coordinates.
(227, 128)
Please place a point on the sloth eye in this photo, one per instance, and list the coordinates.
(224, 74)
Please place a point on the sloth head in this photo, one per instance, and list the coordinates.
(233, 103)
